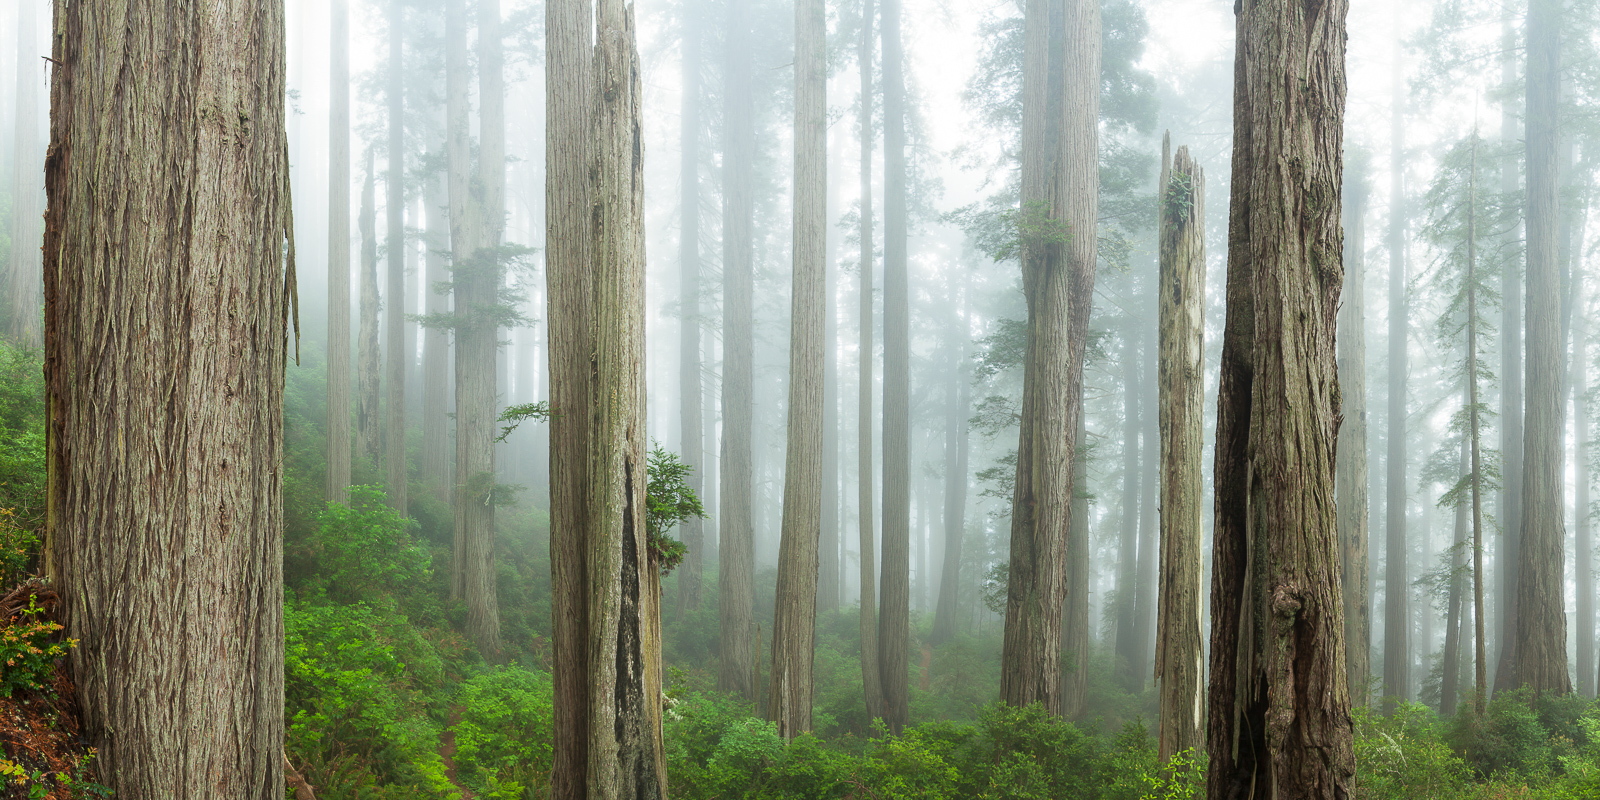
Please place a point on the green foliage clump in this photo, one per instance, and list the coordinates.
(356, 711)
(1401, 755)
(503, 740)
(22, 450)
(27, 653)
(366, 550)
(669, 501)
(17, 548)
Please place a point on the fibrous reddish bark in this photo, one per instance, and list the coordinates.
(1279, 721)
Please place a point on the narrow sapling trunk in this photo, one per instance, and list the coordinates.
(1480, 657)
(1397, 582)
(1075, 609)
(1181, 408)
(1279, 722)
(958, 398)
(1130, 672)
(1510, 341)
(795, 614)
(166, 426)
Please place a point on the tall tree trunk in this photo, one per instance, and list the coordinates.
(1350, 471)
(828, 547)
(1060, 187)
(435, 452)
(1279, 720)
(606, 573)
(689, 393)
(1397, 583)
(1510, 336)
(894, 618)
(1129, 669)
(569, 274)
(958, 399)
(871, 679)
(167, 547)
(1450, 681)
(368, 366)
(736, 550)
(24, 292)
(1180, 295)
(1583, 544)
(1480, 658)
(477, 212)
(398, 357)
(795, 615)
(339, 375)
(1075, 615)
(1144, 593)
(1540, 660)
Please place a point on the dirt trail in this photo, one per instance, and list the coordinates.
(447, 751)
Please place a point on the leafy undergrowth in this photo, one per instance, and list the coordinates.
(42, 752)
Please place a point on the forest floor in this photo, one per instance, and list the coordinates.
(43, 755)
(447, 751)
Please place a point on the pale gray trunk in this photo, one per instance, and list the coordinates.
(958, 400)
(339, 374)
(368, 359)
(1350, 471)
(1130, 672)
(1180, 293)
(1397, 582)
(25, 297)
(794, 618)
(736, 543)
(398, 357)
(1583, 544)
(1510, 336)
(1540, 646)
(871, 678)
(689, 393)
(434, 461)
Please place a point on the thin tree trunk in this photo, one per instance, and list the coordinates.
(1510, 336)
(24, 292)
(871, 679)
(1180, 295)
(795, 615)
(1350, 480)
(1540, 660)
(1480, 658)
(398, 358)
(1060, 184)
(958, 399)
(339, 374)
(1583, 545)
(894, 618)
(368, 366)
(1450, 681)
(1075, 617)
(736, 550)
(435, 453)
(1279, 721)
(1145, 589)
(689, 393)
(1397, 582)
(828, 547)
(1130, 671)
(167, 547)
(569, 274)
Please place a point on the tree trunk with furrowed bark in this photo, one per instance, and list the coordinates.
(1279, 722)
(169, 235)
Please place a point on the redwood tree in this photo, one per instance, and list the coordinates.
(1279, 720)
(1060, 195)
(166, 425)
(339, 375)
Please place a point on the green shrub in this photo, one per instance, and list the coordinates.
(27, 654)
(1404, 756)
(366, 550)
(1508, 741)
(503, 740)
